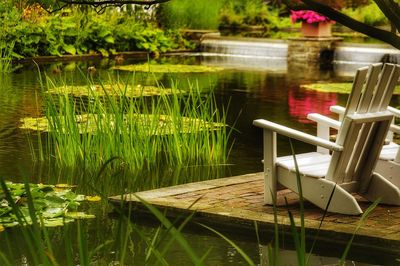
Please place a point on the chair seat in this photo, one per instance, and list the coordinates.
(311, 164)
(389, 151)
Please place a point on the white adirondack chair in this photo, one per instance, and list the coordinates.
(349, 169)
(388, 164)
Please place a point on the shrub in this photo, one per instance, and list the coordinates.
(73, 31)
(369, 14)
(202, 14)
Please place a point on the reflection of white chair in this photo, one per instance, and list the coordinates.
(350, 167)
(388, 164)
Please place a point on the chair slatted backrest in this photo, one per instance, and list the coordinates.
(362, 138)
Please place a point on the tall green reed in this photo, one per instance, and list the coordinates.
(6, 57)
(145, 132)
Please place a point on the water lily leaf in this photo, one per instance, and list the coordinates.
(40, 204)
(343, 88)
(93, 198)
(53, 212)
(79, 215)
(90, 123)
(59, 221)
(1, 228)
(117, 89)
(168, 68)
(36, 192)
(54, 222)
(52, 199)
(65, 186)
(50, 205)
(45, 188)
(10, 224)
(79, 197)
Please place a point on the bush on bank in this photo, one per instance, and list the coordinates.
(34, 32)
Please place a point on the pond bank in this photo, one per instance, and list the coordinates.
(83, 57)
(236, 203)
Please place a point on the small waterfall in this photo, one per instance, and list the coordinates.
(349, 57)
(271, 55)
(249, 53)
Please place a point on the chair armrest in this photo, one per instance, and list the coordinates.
(340, 110)
(395, 129)
(324, 120)
(337, 109)
(394, 111)
(296, 134)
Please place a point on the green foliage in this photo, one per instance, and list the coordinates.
(248, 12)
(369, 14)
(145, 132)
(54, 205)
(6, 50)
(202, 14)
(243, 14)
(73, 31)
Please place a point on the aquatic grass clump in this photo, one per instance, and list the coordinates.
(144, 132)
(6, 51)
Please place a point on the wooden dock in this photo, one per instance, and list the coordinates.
(237, 203)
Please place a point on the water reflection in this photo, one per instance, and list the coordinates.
(302, 103)
(273, 95)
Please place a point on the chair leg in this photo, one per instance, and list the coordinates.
(389, 170)
(270, 183)
(380, 188)
(318, 192)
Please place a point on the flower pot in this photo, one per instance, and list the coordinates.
(317, 29)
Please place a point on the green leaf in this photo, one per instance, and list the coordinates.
(79, 215)
(53, 212)
(103, 52)
(69, 48)
(109, 39)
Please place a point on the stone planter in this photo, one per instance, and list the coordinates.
(317, 29)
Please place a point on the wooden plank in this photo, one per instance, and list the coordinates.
(238, 205)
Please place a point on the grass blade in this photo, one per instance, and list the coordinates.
(241, 252)
(359, 225)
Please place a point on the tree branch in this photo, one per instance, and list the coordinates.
(391, 11)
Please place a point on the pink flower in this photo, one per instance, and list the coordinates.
(307, 16)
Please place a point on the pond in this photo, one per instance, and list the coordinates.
(247, 93)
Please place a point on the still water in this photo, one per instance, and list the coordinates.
(247, 91)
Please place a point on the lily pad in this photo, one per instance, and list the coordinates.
(53, 207)
(343, 88)
(93, 198)
(168, 68)
(79, 215)
(113, 90)
(91, 123)
(55, 222)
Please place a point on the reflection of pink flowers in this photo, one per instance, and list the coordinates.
(301, 104)
(308, 16)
